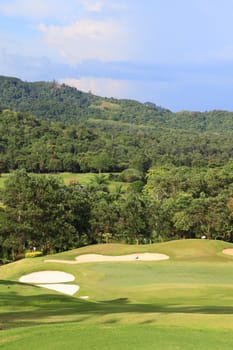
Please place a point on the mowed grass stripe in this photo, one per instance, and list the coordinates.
(116, 337)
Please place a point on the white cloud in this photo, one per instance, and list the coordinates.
(103, 5)
(102, 40)
(39, 9)
(25, 8)
(74, 30)
(57, 9)
(92, 6)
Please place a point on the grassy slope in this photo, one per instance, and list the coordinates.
(189, 298)
(84, 179)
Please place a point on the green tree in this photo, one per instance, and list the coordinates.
(133, 218)
(45, 213)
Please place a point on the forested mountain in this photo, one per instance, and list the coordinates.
(50, 100)
(62, 129)
(59, 102)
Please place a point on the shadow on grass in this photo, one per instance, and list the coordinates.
(24, 310)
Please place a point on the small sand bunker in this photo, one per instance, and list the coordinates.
(228, 251)
(47, 277)
(69, 289)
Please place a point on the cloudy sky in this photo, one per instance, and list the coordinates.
(176, 53)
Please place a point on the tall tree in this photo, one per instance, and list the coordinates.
(45, 213)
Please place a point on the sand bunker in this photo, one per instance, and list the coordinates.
(47, 277)
(69, 289)
(130, 257)
(228, 251)
(86, 258)
(52, 280)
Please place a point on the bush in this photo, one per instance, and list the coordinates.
(130, 175)
(19, 256)
(33, 254)
(113, 177)
(136, 186)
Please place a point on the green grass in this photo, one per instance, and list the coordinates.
(83, 179)
(3, 177)
(112, 336)
(182, 303)
(79, 178)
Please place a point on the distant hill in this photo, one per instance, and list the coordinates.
(48, 127)
(60, 102)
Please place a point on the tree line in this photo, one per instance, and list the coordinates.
(175, 202)
(42, 146)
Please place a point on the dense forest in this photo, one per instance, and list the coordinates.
(179, 167)
(44, 146)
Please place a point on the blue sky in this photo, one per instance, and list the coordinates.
(176, 53)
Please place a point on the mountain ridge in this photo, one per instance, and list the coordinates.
(62, 102)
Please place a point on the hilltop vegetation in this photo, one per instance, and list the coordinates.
(50, 100)
(63, 129)
(59, 102)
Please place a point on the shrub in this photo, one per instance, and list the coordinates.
(33, 254)
(136, 186)
(130, 175)
(19, 256)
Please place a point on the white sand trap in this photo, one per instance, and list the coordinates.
(228, 251)
(50, 280)
(86, 258)
(69, 289)
(47, 277)
(131, 257)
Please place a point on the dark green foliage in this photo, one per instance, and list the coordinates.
(44, 146)
(41, 212)
(130, 175)
(196, 201)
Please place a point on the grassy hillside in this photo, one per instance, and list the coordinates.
(185, 302)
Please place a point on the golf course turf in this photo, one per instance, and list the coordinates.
(182, 303)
